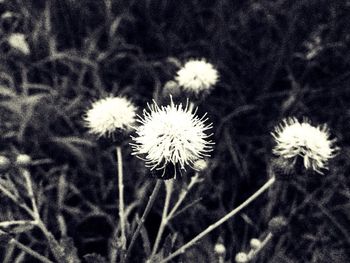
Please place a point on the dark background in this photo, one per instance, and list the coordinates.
(275, 59)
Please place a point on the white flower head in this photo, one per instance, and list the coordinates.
(109, 114)
(197, 76)
(18, 41)
(312, 143)
(171, 135)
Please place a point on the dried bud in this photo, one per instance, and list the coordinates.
(23, 160)
(171, 88)
(255, 243)
(4, 163)
(283, 169)
(241, 257)
(278, 225)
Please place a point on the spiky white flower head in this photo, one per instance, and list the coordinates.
(18, 41)
(197, 76)
(312, 143)
(109, 114)
(171, 135)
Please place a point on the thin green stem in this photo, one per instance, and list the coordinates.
(164, 221)
(149, 205)
(182, 249)
(30, 251)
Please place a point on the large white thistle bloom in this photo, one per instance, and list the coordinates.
(312, 143)
(109, 114)
(197, 76)
(171, 135)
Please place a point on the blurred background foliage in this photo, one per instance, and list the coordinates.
(276, 59)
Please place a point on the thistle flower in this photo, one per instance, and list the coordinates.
(312, 143)
(197, 76)
(109, 114)
(19, 42)
(171, 136)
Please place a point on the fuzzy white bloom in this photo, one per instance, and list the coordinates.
(109, 114)
(18, 41)
(171, 135)
(197, 76)
(312, 143)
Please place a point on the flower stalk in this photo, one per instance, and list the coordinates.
(121, 197)
(182, 249)
(169, 190)
(149, 205)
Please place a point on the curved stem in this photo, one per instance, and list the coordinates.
(149, 205)
(164, 222)
(182, 249)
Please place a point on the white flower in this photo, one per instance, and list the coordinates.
(18, 41)
(109, 114)
(197, 76)
(171, 135)
(312, 143)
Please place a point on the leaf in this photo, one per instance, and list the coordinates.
(94, 258)
(7, 92)
(4, 238)
(71, 146)
(17, 229)
(145, 239)
(169, 244)
(156, 258)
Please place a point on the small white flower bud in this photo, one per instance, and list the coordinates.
(19, 42)
(23, 160)
(220, 249)
(4, 163)
(255, 243)
(241, 257)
